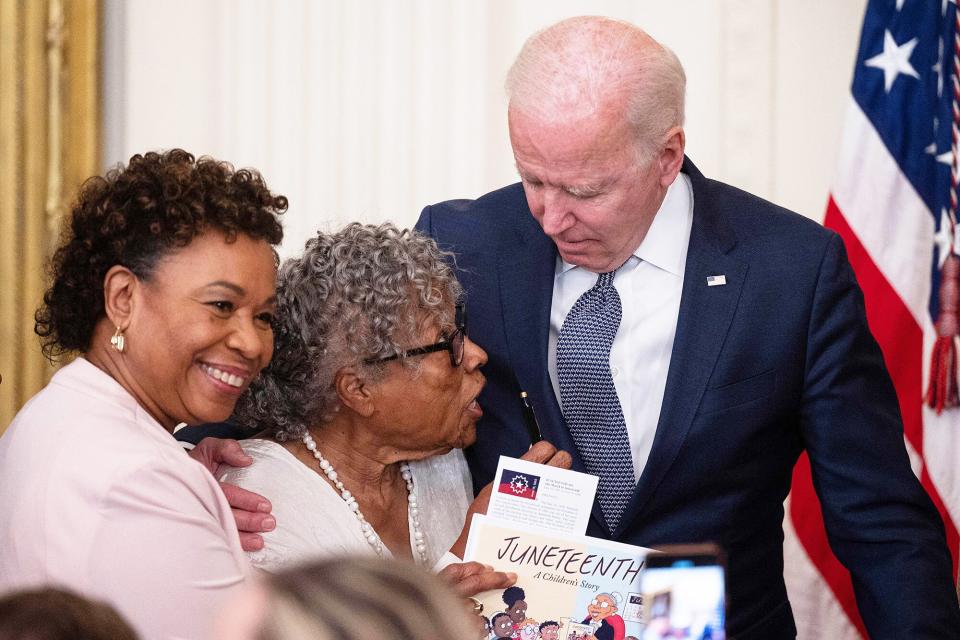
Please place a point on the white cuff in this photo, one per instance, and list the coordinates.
(446, 560)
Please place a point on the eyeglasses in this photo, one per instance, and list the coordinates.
(453, 343)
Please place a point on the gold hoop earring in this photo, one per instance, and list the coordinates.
(117, 341)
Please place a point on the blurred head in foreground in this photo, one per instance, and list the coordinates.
(52, 614)
(354, 598)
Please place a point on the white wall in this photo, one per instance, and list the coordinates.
(371, 109)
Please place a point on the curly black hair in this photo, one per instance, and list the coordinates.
(497, 616)
(512, 595)
(133, 216)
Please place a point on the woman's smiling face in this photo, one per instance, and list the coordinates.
(200, 329)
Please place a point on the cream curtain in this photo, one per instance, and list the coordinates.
(370, 110)
(49, 142)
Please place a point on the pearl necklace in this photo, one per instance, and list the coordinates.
(365, 527)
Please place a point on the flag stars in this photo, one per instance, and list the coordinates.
(943, 158)
(938, 68)
(943, 239)
(894, 60)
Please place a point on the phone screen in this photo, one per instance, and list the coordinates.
(683, 594)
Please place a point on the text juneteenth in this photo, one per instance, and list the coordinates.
(570, 561)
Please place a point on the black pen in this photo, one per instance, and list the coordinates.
(530, 418)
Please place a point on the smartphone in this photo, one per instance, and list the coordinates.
(684, 593)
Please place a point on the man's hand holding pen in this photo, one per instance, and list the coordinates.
(542, 452)
(530, 419)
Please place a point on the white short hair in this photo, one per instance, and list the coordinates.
(578, 66)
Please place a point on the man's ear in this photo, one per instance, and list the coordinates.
(354, 391)
(671, 156)
(119, 286)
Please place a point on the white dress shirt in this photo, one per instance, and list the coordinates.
(649, 283)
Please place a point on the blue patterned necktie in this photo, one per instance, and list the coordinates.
(589, 398)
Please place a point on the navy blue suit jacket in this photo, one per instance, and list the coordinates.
(776, 361)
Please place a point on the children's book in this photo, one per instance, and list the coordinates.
(568, 587)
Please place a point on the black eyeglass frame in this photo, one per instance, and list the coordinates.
(454, 343)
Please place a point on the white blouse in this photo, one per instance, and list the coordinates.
(313, 520)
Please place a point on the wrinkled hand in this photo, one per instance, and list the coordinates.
(542, 452)
(545, 453)
(471, 578)
(251, 511)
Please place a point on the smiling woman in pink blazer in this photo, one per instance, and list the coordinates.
(165, 286)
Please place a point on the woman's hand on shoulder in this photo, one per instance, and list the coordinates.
(251, 511)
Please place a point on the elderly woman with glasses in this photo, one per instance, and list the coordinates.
(369, 398)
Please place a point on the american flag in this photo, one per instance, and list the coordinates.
(894, 204)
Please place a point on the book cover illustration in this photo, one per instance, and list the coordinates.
(568, 587)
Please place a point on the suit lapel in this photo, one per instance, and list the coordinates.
(526, 320)
(704, 319)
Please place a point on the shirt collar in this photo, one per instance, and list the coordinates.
(665, 245)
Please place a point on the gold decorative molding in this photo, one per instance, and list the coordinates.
(49, 143)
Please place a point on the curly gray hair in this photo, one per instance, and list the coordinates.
(359, 294)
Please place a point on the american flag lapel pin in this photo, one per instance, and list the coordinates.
(716, 281)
